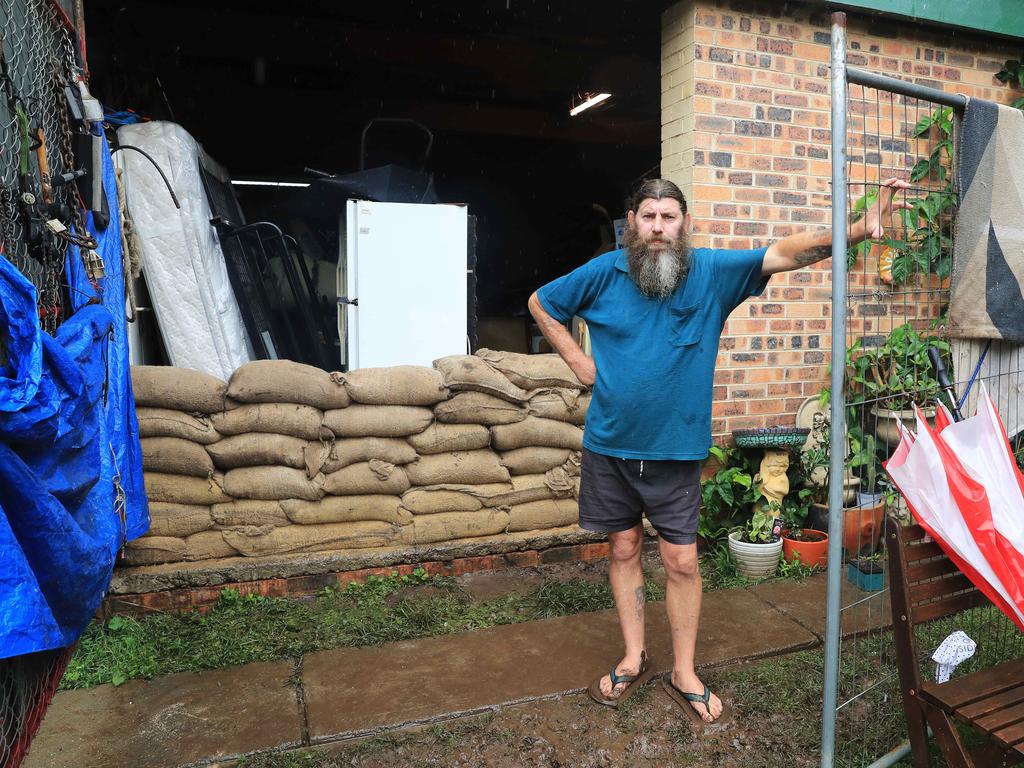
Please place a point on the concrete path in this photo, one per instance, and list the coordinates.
(203, 718)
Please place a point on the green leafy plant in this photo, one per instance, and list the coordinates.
(729, 495)
(898, 373)
(927, 245)
(1013, 74)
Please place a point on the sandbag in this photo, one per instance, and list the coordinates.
(471, 373)
(398, 385)
(532, 461)
(175, 456)
(272, 483)
(208, 545)
(347, 509)
(532, 371)
(427, 502)
(177, 519)
(177, 389)
(367, 477)
(560, 404)
(285, 381)
(153, 550)
(478, 408)
(537, 515)
(163, 422)
(357, 449)
(259, 541)
(378, 420)
(535, 432)
(458, 467)
(248, 512)
(449, 526)
(441, 438)
(476, 490)
(525, 488)
(258, 449)
(182, 489)
(276, 418)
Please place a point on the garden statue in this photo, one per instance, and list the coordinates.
(772, 479)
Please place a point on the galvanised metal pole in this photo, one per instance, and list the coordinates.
(837, 445)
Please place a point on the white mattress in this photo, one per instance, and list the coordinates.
(182, 260)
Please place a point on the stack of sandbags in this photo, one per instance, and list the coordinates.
(287, 458)
(174, 408)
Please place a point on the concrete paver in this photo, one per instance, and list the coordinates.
(354, 690)
(193, 718)
(862, 611)
(170, 721)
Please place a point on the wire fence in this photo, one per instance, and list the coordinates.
(36, 145)
(897, 300)
(35, 150)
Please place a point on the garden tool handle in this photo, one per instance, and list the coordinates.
(943, 376)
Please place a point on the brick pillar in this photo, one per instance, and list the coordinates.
(745, 133)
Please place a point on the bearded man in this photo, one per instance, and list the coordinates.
(655, 311)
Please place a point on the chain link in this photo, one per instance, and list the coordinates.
(40, 55)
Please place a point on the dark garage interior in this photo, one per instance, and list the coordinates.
(270, 89)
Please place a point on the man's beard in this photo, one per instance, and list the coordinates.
(657, 271)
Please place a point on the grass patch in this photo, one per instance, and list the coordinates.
(306, 758)
(244, 629)
(241, 629)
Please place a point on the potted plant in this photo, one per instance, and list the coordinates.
(733, 505)
(806, 545)
(867, 572)
(896, 376)
(862, 524)
(757, 545)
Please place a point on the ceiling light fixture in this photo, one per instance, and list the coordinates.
(257, 183)
(592, 99)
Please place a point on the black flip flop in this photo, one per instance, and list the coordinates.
(645, 673)
(683, 699)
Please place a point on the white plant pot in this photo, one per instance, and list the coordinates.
(754, 560)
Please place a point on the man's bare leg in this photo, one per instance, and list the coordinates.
(627, 580)
(682, 603)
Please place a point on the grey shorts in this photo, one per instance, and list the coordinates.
(615, 493)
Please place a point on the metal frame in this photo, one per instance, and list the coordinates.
(841, 76)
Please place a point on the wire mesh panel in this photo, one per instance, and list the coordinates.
(27, 684)
(35, 145)
(898, 293)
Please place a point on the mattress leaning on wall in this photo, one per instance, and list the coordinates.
(182, 261)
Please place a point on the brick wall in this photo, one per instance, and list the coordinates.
(745, 133)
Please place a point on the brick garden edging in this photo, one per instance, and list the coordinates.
(204, 597)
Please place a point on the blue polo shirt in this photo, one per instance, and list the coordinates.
(655, 358)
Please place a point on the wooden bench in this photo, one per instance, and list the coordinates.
(926, 585)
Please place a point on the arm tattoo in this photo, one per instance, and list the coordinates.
(640, 596)
(813, 255)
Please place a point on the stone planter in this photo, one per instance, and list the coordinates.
(754, 561)
(886, 428)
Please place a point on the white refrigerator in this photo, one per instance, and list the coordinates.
(402, 275)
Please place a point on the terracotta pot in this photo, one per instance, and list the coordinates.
(811, 553)
(862, 526)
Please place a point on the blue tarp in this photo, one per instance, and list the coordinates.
(69, 453)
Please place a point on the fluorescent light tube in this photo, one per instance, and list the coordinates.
(593, 100)
(253, 183)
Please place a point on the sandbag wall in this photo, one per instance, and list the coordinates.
(285, 458)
